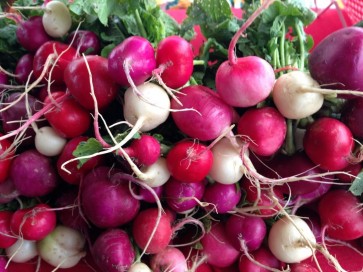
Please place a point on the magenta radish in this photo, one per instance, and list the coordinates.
(329, 143)
(78, 75)
(24, 68)
(7, 238)
(56, 19)
(171, 259)
(189, 161)
(265, 130)
(182, 197)
(143, 227)
(53, 57)
(8, 191)
(4, 80)
(113, 251)
(85, 41)
(64, 247)
(250, 230)
(132, 61)
(33, 174)
(6, 157)
(217, 249)
(145, 150)
(209, 118)
(146, 196)
(22, 251)
(341, 214)
(101, 193)
(351, 115)
(174, 59)
(329, 67)
(260, 260)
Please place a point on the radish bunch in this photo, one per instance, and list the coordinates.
(117, 156)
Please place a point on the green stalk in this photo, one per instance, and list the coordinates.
(301, 44)
(140, 24)
(289, 147)
(282, 46)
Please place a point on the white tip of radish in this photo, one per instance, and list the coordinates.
(291, 241)
(48, 142)
(57, 20)
(139, 267)
(292, 97)
(22, 251)
(157, 174)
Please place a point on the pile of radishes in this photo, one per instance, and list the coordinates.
(120, 163)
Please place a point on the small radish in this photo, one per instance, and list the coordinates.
(156, 174)
(23, 69)
(6, 157)
(7, 238)
(85, 41)
(352, 116)
(260, 260)
(22, 251)
(56, 19)
(48, 142)
(139, 267)
(63, 247)
(171, 258)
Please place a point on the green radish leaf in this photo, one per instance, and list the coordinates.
(87, 148)
(356, 188)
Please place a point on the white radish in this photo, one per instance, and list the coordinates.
(291, 240)
(63, 247)
(57, 20)
(155, 175)
(22, 251)
(48, 142)
(139, 267)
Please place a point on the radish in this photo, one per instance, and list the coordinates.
(6, 157)
(169, 259)
(89, 81)
(209, 118)
(351, 115)
(8, 191)
(4, 80)
(265, 129)
(245, 81)
(189, 161)
(85, 41)
(22, 251)
(260, 260)
(7, 238)
(341, 214)
(113, 251)
(48, 142)
(56, 19)
(63, 247)
(329, 143)
(132, 61)
(329, 67)
(139, 267)
(23, 69)
(291, 240)
(146, 196)
(156, 174)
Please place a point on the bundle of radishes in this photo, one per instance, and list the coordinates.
(113, 157)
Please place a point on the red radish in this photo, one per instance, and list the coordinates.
(85, 41)
(7, 238)
(63, 247)
(189, 161)
(174, 58)
(209, 118)
(56, 19)
(328, 66)
(170, 258)
(33, 174)
(265, 129)
(69, 119)
(353, 170)
(143, 227)
(217, 249)
(329, 143)
(146, 149)
(261, 260)
(101, 193)
(31, 33)
(53, 56)
(24, 68)
(250, 230)
(6, 157)
(78, 75)
(223, 197)
(340, 212)
(33, 223)
(74, 173)
(133, 61)
(351, 115)
(113, 251)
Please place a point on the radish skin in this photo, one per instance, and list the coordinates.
(22, 251)
(48, 142)
(56, 19)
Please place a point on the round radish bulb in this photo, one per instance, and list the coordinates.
(352, 116)
(6, 157)
(181, 196)
(4, 80)
(33, 174)
(146, 196)
(246, 82)
(85, 41)
(157, 174)
(340, 212)
(249, 229)
(146, 149)
(48, 142)
(31, 33)
(8, 191)
(303, 267)
(293, 98)
(22, 251)
(101, 193)
(24, 68)
(329, 143)
(63, 247)
(227, 165)
(139, 267)
(7, 238)
(170, 257)
(134, 58)
(77, 79)
(57, 20)
(262, 256)
(291, 240)
(223, 197)
(113, 251)
(176, 55)
(328, 66)
(210, 117)
(33, 223)
(61, 55)
(189, 161)
(265, 129)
